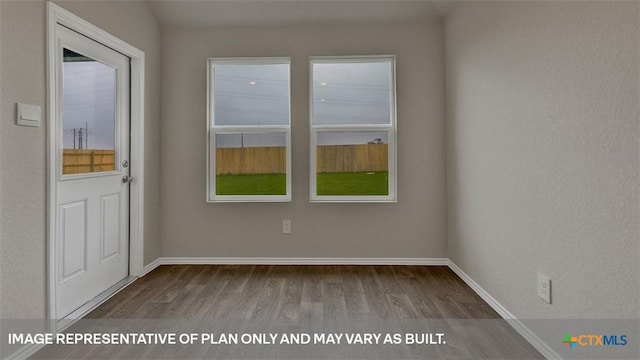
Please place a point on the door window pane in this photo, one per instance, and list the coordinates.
(88, 115)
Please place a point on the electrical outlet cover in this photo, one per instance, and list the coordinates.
(286, 226)
(544, 287)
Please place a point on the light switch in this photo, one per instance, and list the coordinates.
(28, 115)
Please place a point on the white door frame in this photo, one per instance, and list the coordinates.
(57, 15)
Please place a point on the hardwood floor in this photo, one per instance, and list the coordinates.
(387, 298)
(277, 292)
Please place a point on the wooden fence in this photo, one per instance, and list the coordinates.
(352, 158)
(251, 160)
(331, 158)
(87, 161)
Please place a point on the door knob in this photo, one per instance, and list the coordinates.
(127, 179)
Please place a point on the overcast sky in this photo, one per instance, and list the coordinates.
(342, 94)
(88, 98)
(347, 93)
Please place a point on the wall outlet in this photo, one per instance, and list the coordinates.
(544, 287)
(286, 226)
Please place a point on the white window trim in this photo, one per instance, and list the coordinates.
(213, 129)
(391, 129)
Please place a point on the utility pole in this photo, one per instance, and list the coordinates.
(81, 137)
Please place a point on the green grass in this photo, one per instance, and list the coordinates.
(261, 184)
(336, 184)
(353, 183)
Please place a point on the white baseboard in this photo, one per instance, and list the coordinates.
(524, 331)
(298, 261)
(290, 261)
(151, 266)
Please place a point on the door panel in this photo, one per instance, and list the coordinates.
(110, 225)
(93, 141)
(73, 225)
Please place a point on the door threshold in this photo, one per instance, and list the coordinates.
(92, 304)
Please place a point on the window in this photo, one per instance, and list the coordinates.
(89, 114)
(249, 155)
(353, 129)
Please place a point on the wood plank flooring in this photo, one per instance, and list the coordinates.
(373, 296)
(276, 292)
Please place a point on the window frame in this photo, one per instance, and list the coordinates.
(390, 128)
(213, 129)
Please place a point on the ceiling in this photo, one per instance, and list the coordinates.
(203, 13)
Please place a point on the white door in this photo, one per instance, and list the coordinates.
(92, 158)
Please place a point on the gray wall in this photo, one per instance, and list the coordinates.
(542, 154)
(23, 149)
(413, 227)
